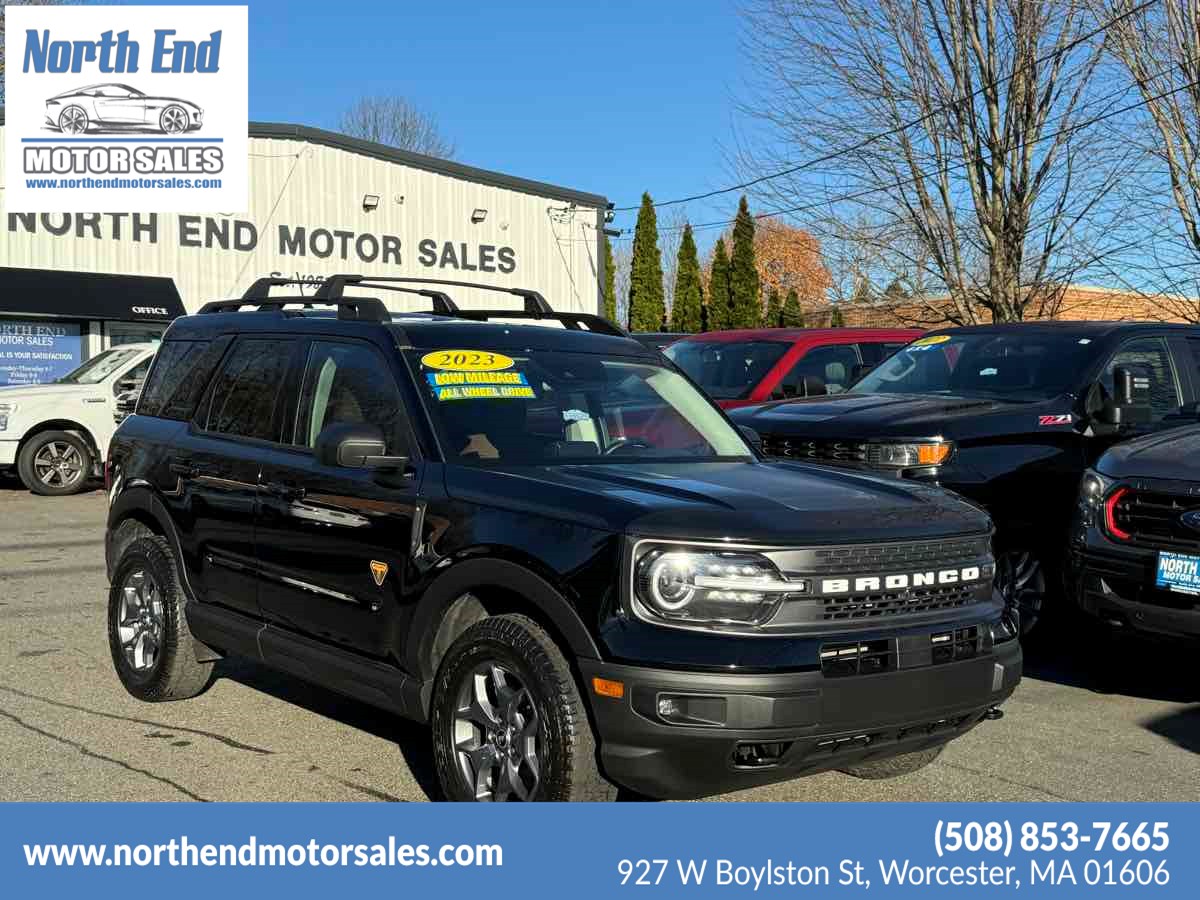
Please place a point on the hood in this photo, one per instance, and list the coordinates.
(1172, 454)
(16, 392)
(866, 416)
(745, 502)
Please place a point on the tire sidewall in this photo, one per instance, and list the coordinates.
(87, 120)
(30, 450)
(459, 662)
(162, 116)
(144, 553)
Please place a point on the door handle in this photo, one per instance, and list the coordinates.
(284, 491)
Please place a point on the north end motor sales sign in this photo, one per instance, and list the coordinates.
(125, 108)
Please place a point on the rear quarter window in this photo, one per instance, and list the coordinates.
(181, 372)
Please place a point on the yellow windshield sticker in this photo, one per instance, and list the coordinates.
(485, 392)
(466, 361)
(931, 341)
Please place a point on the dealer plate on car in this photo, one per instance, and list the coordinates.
(1178, 572)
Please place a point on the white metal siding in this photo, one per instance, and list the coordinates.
(298, 183)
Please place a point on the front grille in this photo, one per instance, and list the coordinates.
(842, 660)
(818, 450)
(857, 658)
(1152, 519)
(894, 557)
(884, 604)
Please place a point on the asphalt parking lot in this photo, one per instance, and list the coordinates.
(1088, 723)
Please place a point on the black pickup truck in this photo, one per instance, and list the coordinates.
(1009, 416)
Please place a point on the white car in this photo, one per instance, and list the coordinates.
(56, 434)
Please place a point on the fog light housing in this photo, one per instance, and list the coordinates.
(692, 709)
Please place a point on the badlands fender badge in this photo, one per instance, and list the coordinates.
(378, 572)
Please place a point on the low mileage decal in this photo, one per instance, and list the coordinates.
(466, 361)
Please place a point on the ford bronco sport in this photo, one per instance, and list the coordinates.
(537, 535)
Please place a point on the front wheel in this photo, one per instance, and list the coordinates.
(508, 721)
(1021, 581)
(55, 463)
(173, 120)
(894, 766)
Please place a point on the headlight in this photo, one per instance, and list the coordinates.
(6, 410)
(1098, 503)
(701, 585)
(909, 454)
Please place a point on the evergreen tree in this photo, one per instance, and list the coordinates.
(719, 312)
(744, 293)
(836, 319)
(646, 302)
(774, 314)
(793, 315)
(687, 309)
(610, 282)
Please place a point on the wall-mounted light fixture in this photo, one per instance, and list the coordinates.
(478, 215)
(370, 202)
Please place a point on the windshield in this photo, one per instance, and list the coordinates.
(546, 407)
(1025, 366)
(727, 370)
(99, 367)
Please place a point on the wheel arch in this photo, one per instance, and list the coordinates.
(69, 425)
(479, 587)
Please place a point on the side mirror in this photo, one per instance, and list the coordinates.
(355, 447)
(1130, 402)
(125, 385)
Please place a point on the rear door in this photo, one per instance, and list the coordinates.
(216, 465)
(332, 542)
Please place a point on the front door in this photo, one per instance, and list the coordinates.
(332, 542)
(216, 468)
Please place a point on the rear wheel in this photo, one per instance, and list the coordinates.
(508, 721)
(894, 766)
(73, 120)
(55, 463)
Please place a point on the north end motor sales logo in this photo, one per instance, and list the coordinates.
(136, 109)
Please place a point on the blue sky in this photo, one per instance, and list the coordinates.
(614, 97)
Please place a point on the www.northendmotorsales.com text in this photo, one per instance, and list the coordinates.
(873, 874)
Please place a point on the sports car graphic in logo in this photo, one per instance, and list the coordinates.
(1191, 519)
(114, 108)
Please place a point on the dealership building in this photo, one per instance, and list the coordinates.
(320, 203)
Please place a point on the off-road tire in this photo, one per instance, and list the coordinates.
(569, 770)
(894, 766)
(26, 468)
(176, 673)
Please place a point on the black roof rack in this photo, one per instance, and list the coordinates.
(535, 303)
(258, 295)
(571, 320)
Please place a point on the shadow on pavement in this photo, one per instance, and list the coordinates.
(1083, 654)
(1182, 728)
(412, 739)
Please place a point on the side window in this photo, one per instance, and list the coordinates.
(349, 384)
(181, 372)
(833, 366)
(1149, 356)
(243, 398)
(132, 380)
(874, 354)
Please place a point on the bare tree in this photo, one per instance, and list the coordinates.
(398, 123)
(622, 261)
(956, 136)
(1160, 49)
(670, 232)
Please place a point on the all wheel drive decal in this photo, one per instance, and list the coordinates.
(1048, 421)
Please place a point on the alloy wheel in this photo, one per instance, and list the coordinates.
(496, 737)
(140, 620)
(174, 120)
(1021, 580)
(58, 464)
(73, 120)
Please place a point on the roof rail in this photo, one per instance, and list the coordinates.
(333, 287)
(535, 304)
(354, 309)
(570, 320)
(261, 289)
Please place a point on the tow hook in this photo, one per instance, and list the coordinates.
(994, 714)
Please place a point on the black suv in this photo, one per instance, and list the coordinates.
(1135, 547)
(546, 542)
(1007, 415)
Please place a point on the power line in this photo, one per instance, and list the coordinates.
(1078, 126)
(834, 154)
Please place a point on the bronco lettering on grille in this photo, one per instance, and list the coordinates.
(859, 584)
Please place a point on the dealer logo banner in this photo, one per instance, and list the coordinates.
(125, 108)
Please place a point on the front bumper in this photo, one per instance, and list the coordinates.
(1117, 586)
(782, 725)
(8, 452)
